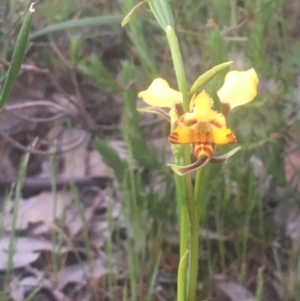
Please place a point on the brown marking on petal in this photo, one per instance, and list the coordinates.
(202, 138)
(217, 161)
(231, 137)
(190, 122)
(175, 134)
(179, 109)
(203, 150)
(215, 123)
(182, 119)
(203, 128)
(173, 138)
(225, 109)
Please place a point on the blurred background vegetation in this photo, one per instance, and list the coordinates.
(249, 201)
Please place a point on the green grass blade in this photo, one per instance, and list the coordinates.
(90, 21)
(207, 76)
(93, 68)
(133, 12)
(141, 47)
(111, 158)
(162, 12)
(17, 197)
(153, 278)
(18, 56)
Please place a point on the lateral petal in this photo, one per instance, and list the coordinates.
(155, 110)
(159, 94)
(222, 136)
(239, 88)
(183, 135)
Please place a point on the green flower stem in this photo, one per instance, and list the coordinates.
(189, 201)
(197, 191)
(181, 277)
(194, 258)
(184, 222)
(194, 236)
(183, 208)
(178, 66)
(184, 217)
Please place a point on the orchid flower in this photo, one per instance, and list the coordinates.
(202, 127)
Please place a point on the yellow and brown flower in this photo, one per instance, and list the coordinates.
(202, 127)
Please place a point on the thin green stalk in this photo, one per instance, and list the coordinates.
(184, 214)
(181, 277)
(54, 239)
(194, 258)
(194, 240)
(178, 66)
(17, 197)
(153, 278)
(184, 222)
(182, 204)
(130, 188)
(197, 191)
(194, 236)
(192, 205)
(260, 284)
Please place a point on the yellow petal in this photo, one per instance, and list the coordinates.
(183, 135)
(222, 136)
(156, 110)
(239, 88)
(195, 120)
(216, 119)
(159, 94)
(201, 105)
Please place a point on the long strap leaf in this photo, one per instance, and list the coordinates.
(17, 57)
(88, 21)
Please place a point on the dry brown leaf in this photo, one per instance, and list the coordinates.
(287, 218)
(26, 250)
(212, 235)
(19, 259)
(92, 198)
(99, 223)
(75, 160)
(21, 287)
(39, 209)
(292, 169)
(96, 166)
(235, 292)
(28, 244)
(81, 273)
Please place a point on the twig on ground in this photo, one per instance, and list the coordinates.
(40, 120)
(28, 103)
(41, 184)
(89, 122)
(20, 146)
